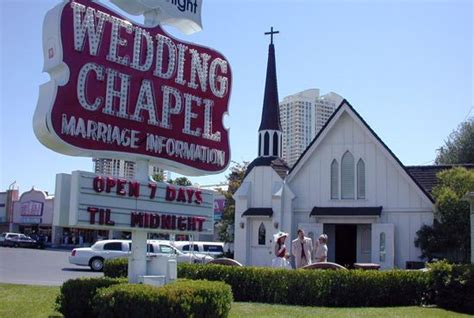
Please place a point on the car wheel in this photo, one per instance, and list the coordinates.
(15, 245)
(97, 264)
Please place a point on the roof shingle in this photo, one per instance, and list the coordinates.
(280, 166)
(426, 175)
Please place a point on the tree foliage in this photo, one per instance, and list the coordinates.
(159, 177)
(449, 237)
(459, 148)
(181, 181)
(234, 179)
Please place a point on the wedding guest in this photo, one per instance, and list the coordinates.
(302, 248)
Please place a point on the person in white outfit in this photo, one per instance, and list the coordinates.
(321, 254)
(302, 249)
(281, 255)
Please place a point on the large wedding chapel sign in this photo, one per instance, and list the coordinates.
(120, 88)
(124, 90)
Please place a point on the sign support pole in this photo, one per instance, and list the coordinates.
(137, 259)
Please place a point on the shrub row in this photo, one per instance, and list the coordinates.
(107, 297)
(446, 285)
(452, 286)
(306, 287)
(316, 287)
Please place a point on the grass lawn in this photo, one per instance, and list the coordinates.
(18, 301)
(275, 311)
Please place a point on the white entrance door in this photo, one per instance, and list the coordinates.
(364, 243)
(261, 242)
(383, 246)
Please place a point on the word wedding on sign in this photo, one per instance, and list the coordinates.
(103, 202)
(125, 90)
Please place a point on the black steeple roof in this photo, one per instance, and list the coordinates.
(270, 111)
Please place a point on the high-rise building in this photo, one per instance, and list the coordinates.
(324, 107)
(302, 117)
(123, 168)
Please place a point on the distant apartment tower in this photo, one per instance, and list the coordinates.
(302, 116)
(123, 168)
(324, 107)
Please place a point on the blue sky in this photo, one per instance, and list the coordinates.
(405, 66)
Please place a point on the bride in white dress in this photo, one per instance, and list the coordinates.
(281, 254)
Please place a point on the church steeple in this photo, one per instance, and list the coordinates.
(269, 144)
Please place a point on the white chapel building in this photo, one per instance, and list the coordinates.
(347, 184)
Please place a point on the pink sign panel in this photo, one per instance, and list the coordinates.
(31, 208)
(125, 90)
(219, 207)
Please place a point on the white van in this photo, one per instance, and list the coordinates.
(214, 249)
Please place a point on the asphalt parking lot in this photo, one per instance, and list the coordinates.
(39, 267)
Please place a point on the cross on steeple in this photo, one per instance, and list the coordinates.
(271, 34)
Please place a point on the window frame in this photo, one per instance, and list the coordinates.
(347, 176)
(334, 187)
(262, 234)
(361, 184)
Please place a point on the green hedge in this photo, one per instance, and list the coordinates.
(448, 286)
(452, 286)
(75, 298)
(180, 299)
(316, 287)
(115, 268)
(306, 287)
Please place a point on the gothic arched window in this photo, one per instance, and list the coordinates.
(275, 144)
(382, 247)
(347, 176)
(262, 232)
(334, 180)
(360, 179)
(266, 144)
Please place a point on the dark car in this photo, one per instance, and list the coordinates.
(22, 240)
(6, 236)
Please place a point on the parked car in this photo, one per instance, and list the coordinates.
(7, 235)
(214, 249)
(95, 255)
(20, 240)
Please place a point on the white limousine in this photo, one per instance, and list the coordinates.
(95, 255)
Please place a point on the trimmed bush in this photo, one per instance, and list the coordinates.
(308, 287)
(316, 287)
(452, 286)
(115, 268)
(180, 299)
(75, 298)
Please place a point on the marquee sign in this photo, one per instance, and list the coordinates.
(124, 90)
(95, 201)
